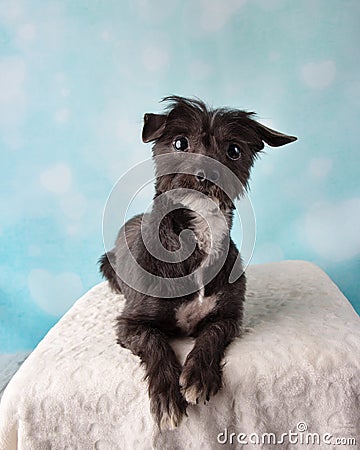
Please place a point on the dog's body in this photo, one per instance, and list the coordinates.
(210, 307)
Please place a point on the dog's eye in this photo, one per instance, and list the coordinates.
(181, 144)
(233, 152)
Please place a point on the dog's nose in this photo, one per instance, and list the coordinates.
(200, 175)
(211, 175)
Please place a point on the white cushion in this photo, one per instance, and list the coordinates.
(297, 362)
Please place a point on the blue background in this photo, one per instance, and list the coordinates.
(75, 79)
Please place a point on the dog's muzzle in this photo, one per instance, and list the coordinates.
(211, 175)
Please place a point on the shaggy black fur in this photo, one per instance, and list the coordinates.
(147, 322)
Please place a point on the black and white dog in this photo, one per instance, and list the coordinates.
(203, 159)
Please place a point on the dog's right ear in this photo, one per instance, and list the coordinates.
(154, 125)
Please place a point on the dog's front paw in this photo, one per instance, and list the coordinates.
(168, 408)
(199, 381)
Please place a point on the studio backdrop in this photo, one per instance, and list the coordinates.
(76, 77)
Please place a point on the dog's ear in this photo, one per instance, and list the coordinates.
(154, 125)
(272, 137)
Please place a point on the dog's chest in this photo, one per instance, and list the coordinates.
(210, 227)
(188, 315)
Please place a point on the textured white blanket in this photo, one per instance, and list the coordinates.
(296, 368)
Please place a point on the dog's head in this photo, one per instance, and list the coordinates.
(207, 145)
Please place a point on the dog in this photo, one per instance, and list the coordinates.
(203, 159)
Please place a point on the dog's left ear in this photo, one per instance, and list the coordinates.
(154, 125)
(272, 137)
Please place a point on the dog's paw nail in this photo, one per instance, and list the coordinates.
(191, 394)
(171, 418)
(168, 408)
(168, 422)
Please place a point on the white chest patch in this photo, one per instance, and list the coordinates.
(210, 225)
(189, 314)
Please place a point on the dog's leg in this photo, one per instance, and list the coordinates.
(202, 372)
(201, 376)
(162, 370)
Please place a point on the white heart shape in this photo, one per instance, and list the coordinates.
(319, 75)
(332, 229)
(55, 294)
(57, 179)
